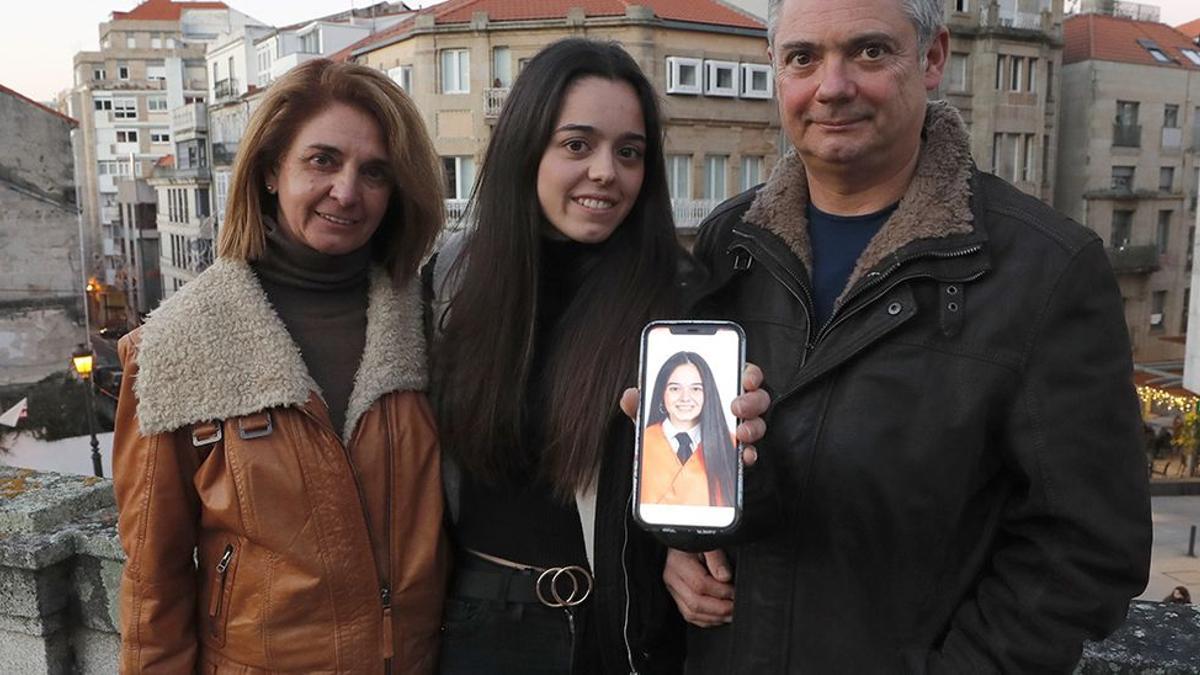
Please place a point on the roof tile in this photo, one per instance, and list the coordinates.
(163, 10)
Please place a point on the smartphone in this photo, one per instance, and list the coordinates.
(688, 464)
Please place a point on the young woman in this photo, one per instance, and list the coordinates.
(275, 461)
(688, 455)
(538, 311)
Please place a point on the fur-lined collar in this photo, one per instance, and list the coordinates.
(217, 349)
(937, 203)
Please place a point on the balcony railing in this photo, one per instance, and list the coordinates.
(189, 118)
(690, 212)
(456, 212)
(225, 89)
(1134, 259)
(1127, 135)
(494, 101)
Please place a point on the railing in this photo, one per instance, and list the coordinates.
(456, 212)
(224, 89)
(1025, 20)
(690, 212)
(1127, 135)
(1134, 259)
(1122, 183)
(186, 173)
(494, 101)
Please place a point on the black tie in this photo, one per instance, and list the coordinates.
(685, 446)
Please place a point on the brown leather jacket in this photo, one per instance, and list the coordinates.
(315, 551)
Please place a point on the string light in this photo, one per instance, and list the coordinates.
(1163, 401)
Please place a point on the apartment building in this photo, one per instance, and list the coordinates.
(182, 183)
(150, 62)
(706, 59)
(1003, 76)
(1128, 164)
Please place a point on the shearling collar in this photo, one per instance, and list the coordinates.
(216, 349)
(937, 204)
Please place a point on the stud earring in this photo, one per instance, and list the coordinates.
(270, 188)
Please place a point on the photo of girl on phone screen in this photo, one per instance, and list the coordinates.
(688, 453)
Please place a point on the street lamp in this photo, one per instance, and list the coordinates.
(82, 359)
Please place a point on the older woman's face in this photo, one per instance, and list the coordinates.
(684, 396)
(334, 182)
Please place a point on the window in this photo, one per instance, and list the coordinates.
(130, 42)
(402, 75)
(156, 70)
(460, 176)
(962, 6)
(1016, 74)
(156, 42)
(1170, 116)
(679, 176)
(756, 81)
(127, 136)
(714, 176)
(1192, 55)
(1008, 154)
(156, 104)
(957, 72)
(456, 71)
(1122, 178)
(1027, 167)
(751, 171)
(160, 136)
(310, 42)
(1163, 236)
(122, 72)
(683, 75)
(1031, 81)
(1166, 179)
(1001, 69)
(720, 78)
(1122, 228)
(1049, 80)
(501, 67)
(103, 104)
(216, 72)
(1158, 305)
(170, 43)
(99, 74)
(1127, 113)
(125, 109)
(202, 202)
(1158, 55)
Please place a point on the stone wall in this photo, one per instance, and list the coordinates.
(60, 571)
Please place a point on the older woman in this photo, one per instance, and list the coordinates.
(276, 466)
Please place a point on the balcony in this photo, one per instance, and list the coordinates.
(225, 89)
(456, 213)
(223, 153)
(689, 213)
(1127, 135)
(189, 119)
(193, 173)
(1134, 259)
(494, 102)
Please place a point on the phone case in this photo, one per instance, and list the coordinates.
(690, 333)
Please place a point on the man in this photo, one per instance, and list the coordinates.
(951, 478)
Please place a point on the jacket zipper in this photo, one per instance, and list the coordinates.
(385, 593)
(214, 605)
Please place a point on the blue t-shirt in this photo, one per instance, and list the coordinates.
(837, 242)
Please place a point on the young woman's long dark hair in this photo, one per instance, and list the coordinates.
(482, 364)
(720, 460)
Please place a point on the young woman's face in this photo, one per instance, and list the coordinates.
(591, 171)
(334, 181)
(684, 396)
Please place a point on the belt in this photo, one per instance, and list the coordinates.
(486, 577)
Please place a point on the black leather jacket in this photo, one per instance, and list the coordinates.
(952, 478)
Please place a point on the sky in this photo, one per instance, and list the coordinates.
(39, 38)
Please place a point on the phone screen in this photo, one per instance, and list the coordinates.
(689, 464)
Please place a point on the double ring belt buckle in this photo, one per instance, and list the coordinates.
(554, 581)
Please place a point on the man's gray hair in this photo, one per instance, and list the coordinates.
(927, 17)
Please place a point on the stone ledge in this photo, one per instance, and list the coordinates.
(34, 502)
(1156, 639)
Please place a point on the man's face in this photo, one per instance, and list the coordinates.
(851, 83)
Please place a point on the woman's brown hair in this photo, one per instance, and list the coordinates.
(416, 211)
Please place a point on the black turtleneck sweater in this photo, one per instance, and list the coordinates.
(322, 300)
(520, 518)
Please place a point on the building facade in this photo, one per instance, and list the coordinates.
(41, 276)
(706, 59)
(1003, 76)
(150, 62)
(1128, 164)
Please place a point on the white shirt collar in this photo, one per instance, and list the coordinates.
(669, 431)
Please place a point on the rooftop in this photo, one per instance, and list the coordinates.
(163, 10)
(18, 95)
(1190, 29)
(705, 12)
(1100, 37)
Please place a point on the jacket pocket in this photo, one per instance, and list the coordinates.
(221, 572)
